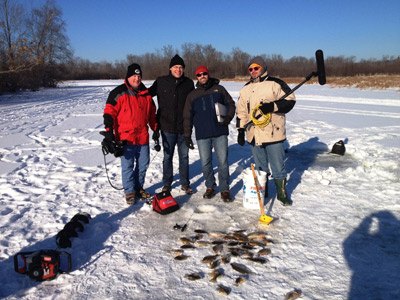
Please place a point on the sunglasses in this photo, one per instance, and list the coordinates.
(255, 69)
(202, 74)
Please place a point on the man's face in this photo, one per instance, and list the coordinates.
(255, 71)
(135, 81)
(177, 71)
(202, 77)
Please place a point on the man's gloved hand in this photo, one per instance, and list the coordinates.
(156, 135)
(108, 141)
(267, 108)
(240, 138)
(189, 142)
(225, 121)
(109, 136)
(156, 139)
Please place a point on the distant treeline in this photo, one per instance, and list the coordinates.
(35, 52)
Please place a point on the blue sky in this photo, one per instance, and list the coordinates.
(110, 29)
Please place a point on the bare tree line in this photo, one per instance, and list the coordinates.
(35, 52)
(234, 64)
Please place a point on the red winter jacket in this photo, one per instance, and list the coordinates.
(131, 112)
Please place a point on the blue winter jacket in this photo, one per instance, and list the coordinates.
(200, 111)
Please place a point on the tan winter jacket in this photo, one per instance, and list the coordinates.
(262, 90)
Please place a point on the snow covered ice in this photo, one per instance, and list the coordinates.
(339, 240)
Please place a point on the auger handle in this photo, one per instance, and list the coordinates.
(258, 189)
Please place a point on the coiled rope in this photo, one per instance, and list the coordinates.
(260, 119)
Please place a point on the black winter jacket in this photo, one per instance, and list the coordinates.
(171, 95)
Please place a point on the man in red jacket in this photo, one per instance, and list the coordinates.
(128, 112)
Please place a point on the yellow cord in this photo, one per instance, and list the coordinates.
(265, 119)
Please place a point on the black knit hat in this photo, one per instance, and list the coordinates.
(176, 60)
(133, 69)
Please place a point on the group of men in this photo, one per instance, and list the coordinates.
(209, 108)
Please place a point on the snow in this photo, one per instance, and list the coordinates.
(339, 240)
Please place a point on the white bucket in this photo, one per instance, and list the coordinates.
(250, 198)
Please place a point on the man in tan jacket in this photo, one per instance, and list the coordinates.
(266, 132)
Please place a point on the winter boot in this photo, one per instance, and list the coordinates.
(130, 198)
(143, 194)
(209, 193)
(281, 192)
(226, 196)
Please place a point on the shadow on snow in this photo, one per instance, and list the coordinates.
(372, 252)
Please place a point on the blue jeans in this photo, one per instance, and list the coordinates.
(134, 165)
(272, 153)
(220, 145)
(169, 141)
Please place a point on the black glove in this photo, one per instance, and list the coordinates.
(189, 143)
(225, 121)
(109, 136)
(267, 108)
(157, 146)
(108, 141)
(240, 138)
(156, 135)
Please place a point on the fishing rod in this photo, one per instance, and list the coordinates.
(183, 228)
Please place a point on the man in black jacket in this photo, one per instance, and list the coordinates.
(171, 91)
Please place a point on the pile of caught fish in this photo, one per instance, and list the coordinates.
(251, 247)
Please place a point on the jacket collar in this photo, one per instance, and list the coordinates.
(210, 83)
(176, 80)
(260, 78)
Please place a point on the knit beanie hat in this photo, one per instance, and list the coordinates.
(177, 60)
(202, 69)
(259, 61)
(133, 69)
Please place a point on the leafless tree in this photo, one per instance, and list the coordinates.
(34, 47)
(13, 44)
(49, 42)
(239, 62)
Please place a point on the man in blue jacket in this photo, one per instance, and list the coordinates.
(210, 109)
